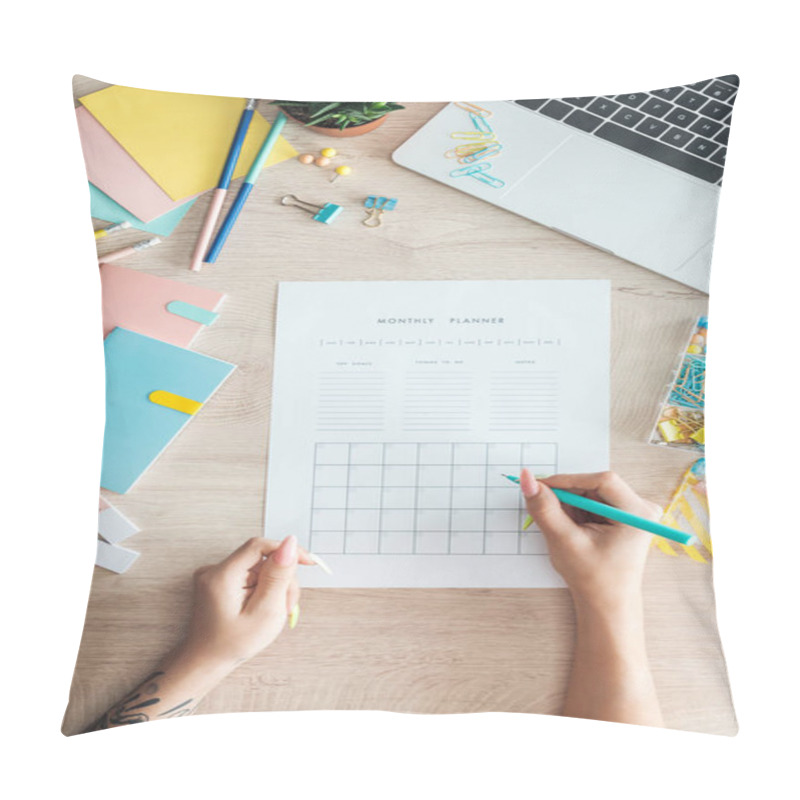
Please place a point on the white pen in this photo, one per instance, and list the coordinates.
(128, 251)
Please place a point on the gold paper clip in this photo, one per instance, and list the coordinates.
(475, 135)
(474, 109)
(461, 150)
(481, 153)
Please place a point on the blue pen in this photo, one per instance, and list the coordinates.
(617, 514)
(246, 188)
(218, 198)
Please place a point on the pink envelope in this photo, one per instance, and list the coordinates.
(138, 301)
(113, 171)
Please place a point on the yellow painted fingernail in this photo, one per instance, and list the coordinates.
(528, 522)
(294, 616)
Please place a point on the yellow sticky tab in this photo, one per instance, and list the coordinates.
(663, 545)
(693, 553)
(175, 401)
(695, 522)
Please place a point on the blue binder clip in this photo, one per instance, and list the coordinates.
(375, 207)
(325, 214)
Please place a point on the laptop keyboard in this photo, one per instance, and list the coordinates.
(685, 127)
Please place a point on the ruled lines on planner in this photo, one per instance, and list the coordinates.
(523, 401)
(464, 341)
(351, 401)
(438, 401)
(432, 498)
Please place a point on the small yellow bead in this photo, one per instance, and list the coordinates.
(321, 161)
(306, 158)
(343, 170)
(328, 152)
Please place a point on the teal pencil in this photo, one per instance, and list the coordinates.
(617, 514)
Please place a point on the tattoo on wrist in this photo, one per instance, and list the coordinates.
(138, 707)
(181, 710)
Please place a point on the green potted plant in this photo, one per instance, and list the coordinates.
(338, 119)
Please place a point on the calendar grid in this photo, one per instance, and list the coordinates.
(424, 498)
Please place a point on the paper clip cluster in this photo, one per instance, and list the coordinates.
(681, 421)
(479, 147)
(690, 385)
(688, 511)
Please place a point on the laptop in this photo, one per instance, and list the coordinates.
(637, 175)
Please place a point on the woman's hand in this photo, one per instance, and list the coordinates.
(600, 560)
(242, 603)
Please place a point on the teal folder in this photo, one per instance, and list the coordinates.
(106, 208)
(137, 429)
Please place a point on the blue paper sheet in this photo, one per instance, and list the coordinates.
(138, 430)
(103, 207)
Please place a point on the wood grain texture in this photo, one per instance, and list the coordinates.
(422, 651)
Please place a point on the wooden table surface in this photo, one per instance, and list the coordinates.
(410, 650)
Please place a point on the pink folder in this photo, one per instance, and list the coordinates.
(139, 302)
(113, 171)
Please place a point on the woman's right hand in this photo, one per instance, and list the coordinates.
(602, 561)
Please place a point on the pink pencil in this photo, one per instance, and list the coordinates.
(128, 251)
(218, 198)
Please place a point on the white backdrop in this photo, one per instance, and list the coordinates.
(53, 388)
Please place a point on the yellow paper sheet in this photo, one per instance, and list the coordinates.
(181, 140)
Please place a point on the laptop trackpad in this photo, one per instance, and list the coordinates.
(642, 211)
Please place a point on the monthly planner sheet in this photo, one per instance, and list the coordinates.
(398, 407)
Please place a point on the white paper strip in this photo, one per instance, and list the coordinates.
(113, 557)
(114, 526)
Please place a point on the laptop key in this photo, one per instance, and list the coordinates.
(555, 109)
(677, 137)
(580, 119)
(628, 117)
(632, 100)
(722, 136)
(659, 151)
(668, 94)
(655, 107)
(603, 107)
(681, 118)
(705, 127)
(581, 102)
(733, 80)
(720, 91)
(691, 100)
(699, 85)
(534, 105)
(652, 127)
(701, 147)
(716, 110)
(719, 156)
